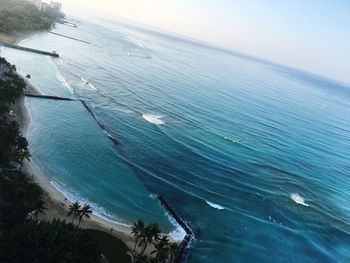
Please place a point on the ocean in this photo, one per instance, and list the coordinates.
(252, 155)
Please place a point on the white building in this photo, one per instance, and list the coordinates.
(52, 7)
(44, 6)
(37, 3)
(56, 6)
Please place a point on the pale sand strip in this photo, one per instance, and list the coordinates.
(56, 203)
(54, 199)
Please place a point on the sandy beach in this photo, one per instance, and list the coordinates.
(56, 203)
(14, 38)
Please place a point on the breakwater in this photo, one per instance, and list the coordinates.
(103, 127)
(189, 234)
(47, 97)
(73, 38)
(67, 23)
(46, 53)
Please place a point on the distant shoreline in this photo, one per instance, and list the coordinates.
(56, 203)
(14, 38)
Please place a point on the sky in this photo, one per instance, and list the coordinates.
(312, 35)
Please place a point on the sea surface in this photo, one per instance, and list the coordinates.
(254, 156)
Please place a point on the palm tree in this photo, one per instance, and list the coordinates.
(173, 251)
(150, 233)
(161, 249)
(39, 210)
(74, 210)
(137, 230)
(84, 212)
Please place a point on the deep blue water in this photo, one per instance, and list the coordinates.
(254, 156)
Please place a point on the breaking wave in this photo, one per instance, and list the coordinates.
(155, 119)
(298, 199)
(216, 206)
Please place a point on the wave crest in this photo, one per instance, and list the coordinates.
(298, 199)
(216, 206)
(155, 119)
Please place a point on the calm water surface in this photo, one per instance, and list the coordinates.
(254, 156)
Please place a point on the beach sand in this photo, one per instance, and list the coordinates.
(14, 38)
(55, 202)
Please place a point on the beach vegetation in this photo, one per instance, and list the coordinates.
(74, 210)
(55, 241)
(112, 248)
(23, 237)
(137, 230)
(20, 198)
(13, 146)
(19, 15)
(84, 212)
(150, 234)
(77, 211)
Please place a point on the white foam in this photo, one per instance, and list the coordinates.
(216, 206)
(62, 79)
(92, 86)
(178, 234)
(155, 119)
(298, 199)
(88, 83)
(230, 139)
(97, 210)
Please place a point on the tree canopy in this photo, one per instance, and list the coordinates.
(54, 242)
(13, 146)
(23, 16)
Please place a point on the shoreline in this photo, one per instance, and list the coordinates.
(55, 201)
(53, 198)
(15, 38)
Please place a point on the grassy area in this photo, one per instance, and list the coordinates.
(113, 248)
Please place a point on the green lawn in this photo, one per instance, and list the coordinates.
(113, 248)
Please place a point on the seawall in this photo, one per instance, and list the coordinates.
(189, 234)
(46, 53)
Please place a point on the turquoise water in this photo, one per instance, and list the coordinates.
(254, 156)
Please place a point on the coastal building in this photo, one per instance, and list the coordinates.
(56, 7)
(44, 7)
(37, 3)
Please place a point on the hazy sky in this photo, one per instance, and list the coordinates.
(313, 35)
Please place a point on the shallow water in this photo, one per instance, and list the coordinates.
(254, 156)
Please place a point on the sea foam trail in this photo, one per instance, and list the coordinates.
(92, 86)
(63, 80)
(87, 82)
(230, 139)
(216, 206)
(155, 119)
(298, 199)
